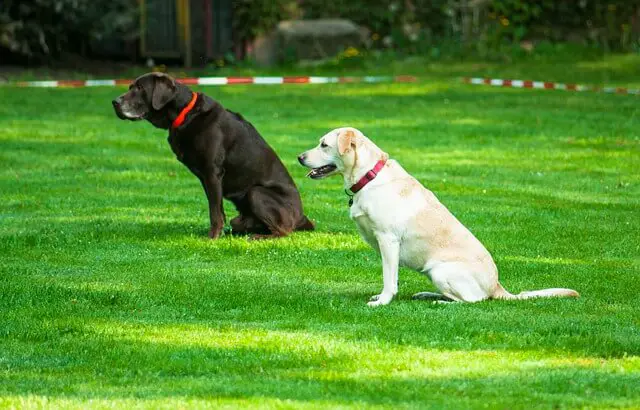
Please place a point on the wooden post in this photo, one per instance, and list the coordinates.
(183, 17)
(143, 27)
(187, 34)
(208, 29)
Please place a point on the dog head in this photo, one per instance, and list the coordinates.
(150, 97)
(341, 151)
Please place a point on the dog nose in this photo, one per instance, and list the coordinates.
(301, 158)
(115, 103)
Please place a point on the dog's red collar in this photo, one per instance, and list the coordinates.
(183, 114)
(368, 177)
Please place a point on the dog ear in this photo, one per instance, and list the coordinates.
(345, 139)
(164, 90)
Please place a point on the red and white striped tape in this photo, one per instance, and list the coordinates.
(224, 81)
(496, 82)
(546, 85)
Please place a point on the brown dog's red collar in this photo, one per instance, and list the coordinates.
(368, 177)
(183, 114)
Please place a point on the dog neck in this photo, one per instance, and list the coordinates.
(362, 165)
(184, 97)
(368, 177)
(179, 120)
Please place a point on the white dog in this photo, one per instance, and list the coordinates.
(407, 225)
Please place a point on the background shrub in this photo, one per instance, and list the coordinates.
(46, 28)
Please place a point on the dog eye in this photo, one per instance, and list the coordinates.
(323, 145)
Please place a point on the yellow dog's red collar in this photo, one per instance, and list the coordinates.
(183, 114)
(368, 177)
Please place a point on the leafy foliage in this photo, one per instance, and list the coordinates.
(43, 28)
(611, 24)
(37, 28)
(254, 17)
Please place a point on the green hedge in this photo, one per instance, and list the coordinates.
(611, 24)
(45, 28)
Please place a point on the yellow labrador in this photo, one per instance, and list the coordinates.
(407, 225)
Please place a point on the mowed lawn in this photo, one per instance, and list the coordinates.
(111, 294)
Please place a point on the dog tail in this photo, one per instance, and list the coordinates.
(305, 224)
(502, 293)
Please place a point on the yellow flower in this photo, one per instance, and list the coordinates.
(504, 21)
(351, 52)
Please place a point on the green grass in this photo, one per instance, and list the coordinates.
(111, 295)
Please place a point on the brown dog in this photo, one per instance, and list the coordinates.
(224, 151)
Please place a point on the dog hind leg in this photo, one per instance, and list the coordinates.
(247, 224)
(305, 224)
(457, 283)
(267, 208)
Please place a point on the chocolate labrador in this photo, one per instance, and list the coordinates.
(224, 151)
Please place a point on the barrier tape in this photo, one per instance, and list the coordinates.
(547, 85)
(221, 81)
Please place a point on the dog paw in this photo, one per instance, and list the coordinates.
(261, 237)
(380, 300)
(215, 233)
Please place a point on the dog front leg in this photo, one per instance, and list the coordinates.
(213, 188)
(390, 252)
